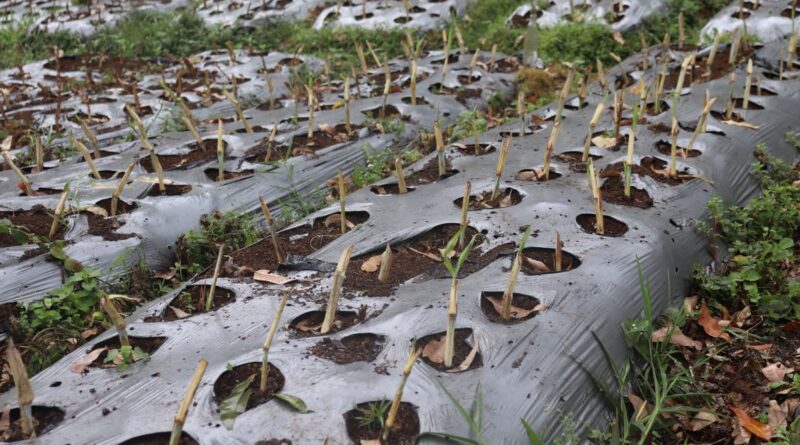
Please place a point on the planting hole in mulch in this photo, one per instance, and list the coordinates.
(574, 159)
(390, 189)
(484, 201)
(45, 418)
(420, 100)
(650, 108)
(192, 301)
(466, 355)
(267, 151)
(545, 261)
(738, 102)
(108, 174)
(350, 349)
(107, 228)
(37, 220)
(523, 307)
(226, 382)
(147, 344)
(122, 206)
(470, 149)
(650, 166)
(310, 323)
(613, 191)
(160, 439)
(720, 116)
(384, 113)
(463, 95)
(537, 175)
(612, 226)
(429, 173)
(170, 190)
(42, 191)
(198, 155)
(665, 148)
(691, 126)
(755, 90)
(301, 145)
(605, 139)
(404, 432)
(213, 174)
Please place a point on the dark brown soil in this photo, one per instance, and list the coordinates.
(463, 95)
(430, 173)
(700, 72)
(147, 344)
(193, 301)
(573, 158)
(404, 432)
(665, 147)
(160, 439)
(613, 191)
(198, 155)
(301, 145)
(107, 227)
(462, 350)
(521, 301)
(613, 227)
(548, 257)
(213, 174)
(720, 116)
(170, 190)
(738, 102)
(469, 149)
(648, 166)
(483, 201)
(302, 241)
(274, 442)
(531, 175)
(308, 324)
(229, 379)
(45, 419)
(268, 152)
(390, 189)
(661, 127)
(37, 220)
(122, 206)
(350, 349)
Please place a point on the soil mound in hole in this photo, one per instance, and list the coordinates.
(573, 158)
(45, 419)
(483, 200)
(147, 344)
(160, 439)
(170, 190)
(649, 166)
(310, 323)
(523, 307)
(198, 155)
(350, 349)
(613, 227)
(404, 432)
(429, 173)
(466, 356)
(192, 301)
(122, 206)
(665, 148)
(106, 228)
(547, 257)
(37, 220)
(613, 191)
(226, 382)
(537, 175)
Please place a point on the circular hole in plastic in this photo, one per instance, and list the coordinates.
(193, 299)
(405, 429)
(55, 384)
(45, 419)
(484, 200)
(170, 190)
(472, 150)
(225, 384)
(544, 261)
(160, 439)
(390, 189)
(466, 353)
(353, 348)
(122, 206)
(522, 307)
(148, 345)
(613, 191)
(612, 227)
(310, 323)
(665, 148)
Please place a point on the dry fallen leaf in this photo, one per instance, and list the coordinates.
(536, 174)
(372, 264)
(306, 325)
(5, 419)
(469, 358)
(701, 420)
(677, 338)
(604, 141)
(755, 427)
(434, 350)
(711, 324)
(436, 258)
(765, 347)
(537, 265)
(742, 124)
(776, 372)
(166, 275)
(777, 414)
(516, 312)
(640, 406)
(179, 312)
(267, 277)
(689, 303)
(328, 128)
(370, 442)
(89, 333)
(618, 38)
(335, 220)
(96, 210)
(78, 366)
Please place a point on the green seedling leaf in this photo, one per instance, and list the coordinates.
(236, 402)
(451, 245)
(295, 402)
(533, 437)
(477, 407)
(465, 254)
(524, 241)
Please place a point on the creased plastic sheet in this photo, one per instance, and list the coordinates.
(620, 15)
(538, 369)
(771, 21)
(159, 220)
(425, 14)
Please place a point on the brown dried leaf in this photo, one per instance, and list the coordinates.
(307, 326)
(516, 312)
(267, 277)
(776, 372)
(604, 141)
(755, 427)
(434, 257)
(372, 264)
(537, 265)
(88, 333)
(328, 128)
(777, 414)
(469, 358)
(711, 324)
(370, 442)
(701, 420)
(96, 210)
(677, 338)
(434, 350)
(335, 219)
(78, 366)
(535, 174)
(5, 419)
(179, 312)
(742, 124)
(505, 202)
(166, 275)
(640, 406)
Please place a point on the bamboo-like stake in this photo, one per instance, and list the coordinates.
(273, 233)
(387, 85)
(452, 312)
(118, 190)
(673, 167)
(619, 98)
(460, 39)
(311, 103)
(748, 83)
(521, 111)
(501, 163)
(271, 141)
(239, 112)
(508, 294)
(276, 321)
(336, 289)
(38, 152)
(217, 268)
(372, 53)
(681, 31)
(712, 53)
(645, 55)
(186, 117)
(92, 137)
(347, 124)
(559, 253)
(149, 147)
(117, 319)
(447, 41)
(464, 213)
(493, 58)
(551, 145)
(19, 373)
(220, 153)
(57, 213)
(729, 105)
(361, 59)
(601, 74)
(562, 98)
(414, 78)
(701, 121)
(271, 90)
(734, 54)
(592, 124)
(413, 355)
(26, 183)
(386, 264)
(342, 212)
(437, 131)
(599, 224)
(401, 177)
(183, 410)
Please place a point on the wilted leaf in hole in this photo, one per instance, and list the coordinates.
(307, 326)
(78, 366)
(236, 402)
(434, 257)
(179, 313)
(711, 324)
(505, 202)
(328, 128)
(516, 312)
(777, 414)
(370, 442)
(689, 303)
(701, 420)
(740, 318)
(640, 407)
(469, 358)
(537, 265)
(295, 402)
(742, 124)
(267, 277)
(604, 141)
(335, 220)
(372, 264)
(755, 427)
(96, 210)
(535, 174)
(765, 347)
(776, 372)
(677, 338)
(434, 350)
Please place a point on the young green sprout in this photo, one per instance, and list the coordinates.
(437, 131)
(183, 410)
(26, 183)
(501, 163)
(220, 153)
(149, 147)
(464, 213)
(336, 290)
(121, 186)
(186, 117)
(598, 112)
(239, 112)
(401, 177)
(116, 318)
(599, 223)
(413, 355)
(276, 321)
(273, 233)
(86, 156)
(452, 306)
(508, 294)
(19, 373)
(62, 200)
(386, 264)
(342, 212)
(217, 269)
